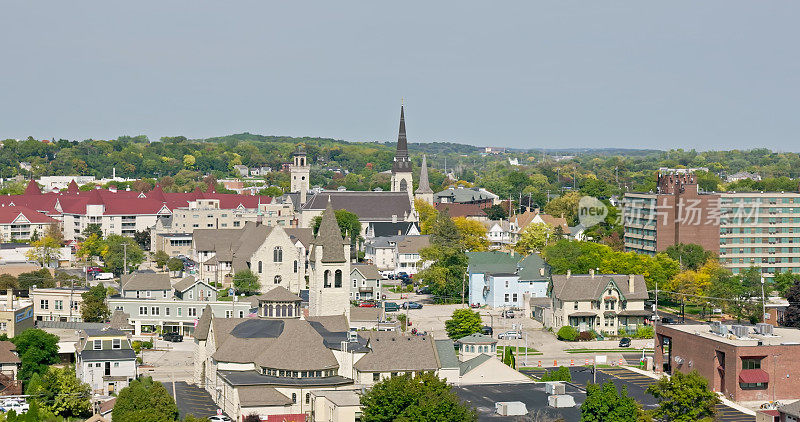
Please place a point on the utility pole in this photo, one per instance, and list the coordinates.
(124, 258)
(463, 287)
(763, 305)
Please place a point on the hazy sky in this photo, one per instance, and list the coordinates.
(692, 74)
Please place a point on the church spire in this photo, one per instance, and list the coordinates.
(401, 161)
(424, 185)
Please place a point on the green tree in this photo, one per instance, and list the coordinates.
(143, 239)
(145, 400)
(462, 323)
(38, 278)
(691, 256)
(427, 215)
(783, 281)
(37, 350)
(472, 233)
(508, 357)
(59, 391)
(246, 282)
(92, 246)
(792, 316)
(421, 398)
(93, 229)
(273, 191)
(684, 398)
(604, 404)
(444, 232)
(114, 254)
(496, 212)
(94, 308)
(174, 264)
(8, 281)
(160, 258)
(566, 206)
(568, 333)
(44, 251)
(534, 238)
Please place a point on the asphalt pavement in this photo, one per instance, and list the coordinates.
(484, 397)
(193, 400)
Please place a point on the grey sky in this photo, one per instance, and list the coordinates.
(707, 74)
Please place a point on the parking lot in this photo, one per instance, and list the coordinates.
(637, 385)
(170, 361)
(192, 400)
(483, 397)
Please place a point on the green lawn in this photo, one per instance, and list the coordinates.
(620, 350)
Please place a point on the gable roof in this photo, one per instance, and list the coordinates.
(203, 324)
(304, 235)
(367, 205)
(492, 262)
(530, 268)
(387, 228)
(8, 352)
(461, 210)
(583, 287)
(462, 195)
(186, 283)
(10, 214)
(368, 271)
(473, 363)
(278, 294)
(146, 281)
(413, 244)
(446, 354)
(391, 351)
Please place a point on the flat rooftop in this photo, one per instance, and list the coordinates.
(781, 335)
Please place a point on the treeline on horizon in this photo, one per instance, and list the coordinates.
(541, 174)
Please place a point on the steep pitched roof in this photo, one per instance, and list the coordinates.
(584, 287)
(532, 268)
(9, 215)
(413, 244)
(279, 294)
(330, 238)
(368, 271)
(32, 188)
(186, 283)
(401, 161)
(473, 363)
(203, 324)
(304, 235)
(424, 184)
(8, 352)
(367, 205)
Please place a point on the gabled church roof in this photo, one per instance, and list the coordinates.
(424, 185)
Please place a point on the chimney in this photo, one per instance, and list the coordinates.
(541, 271)
(513, 252)
(569, 273)
(591, 272)
(9, 298)
(394, 218)
(631, 283)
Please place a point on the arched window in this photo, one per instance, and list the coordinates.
(289, 309)
(277, 279)
(269, 310)
(403, 185)
(327, 278)
(277, 254)
(338, 279)
(295, 266)
(260, 267)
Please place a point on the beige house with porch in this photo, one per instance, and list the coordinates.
(600, 302)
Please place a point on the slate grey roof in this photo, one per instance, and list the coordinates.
(146, 281)
(584, 287)
(367, 205)
(303, 234)
(446, 354)
(203, 324)
(185, 283)
(278, 294)
(791, 409)
(473, 363)
(462, 195)
(368, 271)
(391, 351)
(476, 338)
(387, 228)
(258, 395)
(108, 332)
(330, 238)
(424, 185)
(119, 321)
(401, 162)
(239, 378)
(114, 354)
(365, 314)
(530, 268)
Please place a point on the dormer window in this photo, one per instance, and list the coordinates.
(116, 343)
(98, 344)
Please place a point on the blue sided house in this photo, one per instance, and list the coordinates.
(501, 280)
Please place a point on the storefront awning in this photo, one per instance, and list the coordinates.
(753, 376)
(582, 314)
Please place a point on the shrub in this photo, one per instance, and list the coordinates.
(147, 345)
(586, 336)
(622, 332)
(644, 331)
(560, 374)
(567, 333)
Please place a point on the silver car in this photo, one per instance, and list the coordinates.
(510, 335)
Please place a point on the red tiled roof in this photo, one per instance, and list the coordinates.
(33, 188)
(124, 202)
(9, 214)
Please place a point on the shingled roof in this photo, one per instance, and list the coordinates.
(330, 238)
(203, 324)
(391, 351)
(367, 205)
(424, 185)
(146, 281)
(278, 294)
(584, 287)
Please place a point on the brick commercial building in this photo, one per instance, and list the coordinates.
(736, 360)
(745, 228)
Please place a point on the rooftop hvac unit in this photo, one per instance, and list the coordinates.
(511, 408)
(678, 360)
(764, 329)
(739, 331)
(719, 328)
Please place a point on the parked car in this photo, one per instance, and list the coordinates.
(474, 305)
(402, 274)
(424, 290)
(93, 269)
(667, 320)
(219, 418)
(412, 305)
(390, 307)
(508, 314)
(625, 342)
(367, 304)
(510, 335)
(487, 330)
(104, 276)
(173, 337)
(15, 405)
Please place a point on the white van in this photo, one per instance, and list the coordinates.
(104, 276)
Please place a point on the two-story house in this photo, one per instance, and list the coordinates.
(602, 302)
(105, 360)
(365, 282)
(190, 288)
(57, 303)
(407, 254)
(503, 280)
(146, 286)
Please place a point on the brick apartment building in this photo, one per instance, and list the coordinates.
(746, 228)
(738, 362)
